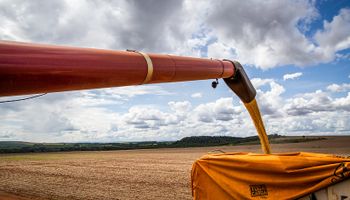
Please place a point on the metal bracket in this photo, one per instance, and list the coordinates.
(149, 65)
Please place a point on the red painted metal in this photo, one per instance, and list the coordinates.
(27, 68)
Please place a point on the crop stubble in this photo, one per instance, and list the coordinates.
(134, 174)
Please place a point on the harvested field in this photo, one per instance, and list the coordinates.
(132, 174)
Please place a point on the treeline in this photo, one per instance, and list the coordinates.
(24, 147)
(198, 141)
(194, 141)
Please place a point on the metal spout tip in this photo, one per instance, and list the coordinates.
(240, 84)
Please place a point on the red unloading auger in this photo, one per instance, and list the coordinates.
(27, 68)
(35, 68)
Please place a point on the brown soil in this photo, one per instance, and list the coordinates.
(134, 174)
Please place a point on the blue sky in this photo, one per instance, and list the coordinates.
(297, 54)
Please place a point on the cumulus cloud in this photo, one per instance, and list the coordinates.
(335, 35)
(317, 112)
(292, 76)
(222, 109)
(339, 88)
(70, 116)
(276, 38)
(31, 120)
(167, 27)
(267, 41)
(318, 101)
(61, 117)
(270, 99)
(221, 51)
(180, 106)
(258, 82)
(306, 113)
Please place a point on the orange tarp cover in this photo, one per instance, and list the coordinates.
(265, 176)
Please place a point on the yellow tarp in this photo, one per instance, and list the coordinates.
(262, 176)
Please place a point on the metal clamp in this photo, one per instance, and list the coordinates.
(149, 65)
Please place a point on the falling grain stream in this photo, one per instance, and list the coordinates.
(254, 112)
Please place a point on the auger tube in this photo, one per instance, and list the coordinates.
(27, 68)
(240, 83)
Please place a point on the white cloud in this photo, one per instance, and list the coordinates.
(315, 113)
(61, 117)
(335, 35)
(221, 51)
(274, 38)
(265, 40)
(271, 100)
(339, 88)
(310, 113)
(222, 109)
(180, 106)
(342, 103)
(292, 76)
(258, 82)
(70, 116)
(112, 24)
(317, 101)
(197, 95)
